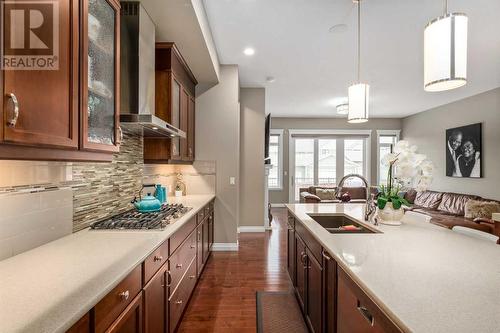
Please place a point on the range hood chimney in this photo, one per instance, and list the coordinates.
(137, 74)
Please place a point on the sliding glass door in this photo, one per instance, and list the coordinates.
(323, 161)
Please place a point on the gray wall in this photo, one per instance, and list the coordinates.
(217, 138)
(252, 189)
(326, 123)
(427, 131)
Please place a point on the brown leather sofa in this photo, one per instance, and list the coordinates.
(310, 195)
(448, 210)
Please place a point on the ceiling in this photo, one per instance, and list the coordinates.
(313, 67)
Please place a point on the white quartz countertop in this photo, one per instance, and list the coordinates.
(425, 277)
(51, 287)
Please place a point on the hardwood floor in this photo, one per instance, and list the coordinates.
(224, 299)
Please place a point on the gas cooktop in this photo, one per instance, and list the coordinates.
(133, 220)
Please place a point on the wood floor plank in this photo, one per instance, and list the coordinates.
(224, 299)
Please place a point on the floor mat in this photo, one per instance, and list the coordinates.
(279, 312)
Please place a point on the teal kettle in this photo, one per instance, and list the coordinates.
(148, 204)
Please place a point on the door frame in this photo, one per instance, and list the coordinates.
(334, 134)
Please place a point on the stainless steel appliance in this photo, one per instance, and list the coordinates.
(133, 220)
(137, 74)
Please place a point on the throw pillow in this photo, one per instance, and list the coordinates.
(325, 194)
(484, 209)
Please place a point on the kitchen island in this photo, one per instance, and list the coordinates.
(49, 288)
(420, 277)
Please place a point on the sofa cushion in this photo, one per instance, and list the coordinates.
(410, 195)
(428, 199)
(454, 203)
(355, 192)
(325, 194)
(478, 208)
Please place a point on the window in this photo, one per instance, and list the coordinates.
(385, 140)
(275, 179)
(323, 157)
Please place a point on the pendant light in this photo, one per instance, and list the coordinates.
(359, 93)
(445, 51)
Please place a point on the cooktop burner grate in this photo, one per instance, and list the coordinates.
(142, 221)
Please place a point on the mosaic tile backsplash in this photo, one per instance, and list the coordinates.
(101, 190)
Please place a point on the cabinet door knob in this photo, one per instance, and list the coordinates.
(192, 277)
(193, 246)
(157, 258)
(13, 121)
(124, 295)
(178, 266)
(179, 302)
(325, 255)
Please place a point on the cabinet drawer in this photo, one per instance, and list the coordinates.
(82, 326)
(178, 301)
(201, 215)
(313, 245)
(181, 259)
(155, 260)
(110, 307)
(180, 235)
(356, 312)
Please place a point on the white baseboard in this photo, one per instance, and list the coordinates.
(251, 229)
(222, 247)
(278, 205)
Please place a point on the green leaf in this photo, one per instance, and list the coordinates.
(381, 202)
(396, 203)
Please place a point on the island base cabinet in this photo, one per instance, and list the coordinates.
(330, 293)
(291, 251)
(130, 320)
(300, 276)
(356, 312)
(314, 294)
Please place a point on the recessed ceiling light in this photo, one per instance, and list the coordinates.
(249, 51)
(270, 79)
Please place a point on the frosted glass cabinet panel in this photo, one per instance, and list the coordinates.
(100, 98)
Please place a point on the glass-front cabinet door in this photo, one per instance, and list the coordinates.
(100, 89)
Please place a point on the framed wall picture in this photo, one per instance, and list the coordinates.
(464, 151)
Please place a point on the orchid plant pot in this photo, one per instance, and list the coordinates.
(389, 215)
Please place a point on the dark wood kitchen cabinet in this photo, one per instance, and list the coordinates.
(40, 106)
(330, 293)
(314, 308)
(130, 320)
(155, 302)
(175, 103)
(153, 297)
(45, 113)
(100, 70)
(301, 274)
(291, 248)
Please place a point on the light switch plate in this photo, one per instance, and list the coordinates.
(232, 181)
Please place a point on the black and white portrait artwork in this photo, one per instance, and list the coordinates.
(463, 151)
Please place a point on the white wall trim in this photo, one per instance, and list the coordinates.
(279, 132)
(252, 228)
(278, 205)
(380, 133)
(222, 247)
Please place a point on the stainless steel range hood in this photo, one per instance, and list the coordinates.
(137, 74)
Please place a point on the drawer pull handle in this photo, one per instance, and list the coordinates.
(325, 255)
(169, 279)
(158, 258)
(178, 266)
(193, 246)
(366, 314)
(13, 121)
(124, 295)
(179, 302)
(192, 277)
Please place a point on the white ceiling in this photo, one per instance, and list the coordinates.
(313, 67)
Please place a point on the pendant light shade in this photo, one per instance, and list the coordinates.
(343, 109)
(359, 95)
(445, 52)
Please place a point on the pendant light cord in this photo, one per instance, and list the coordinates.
(359, 39)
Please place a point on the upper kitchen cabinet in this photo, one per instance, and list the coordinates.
(175, 103)
(100, 75)
(40, 79)
(60, 86)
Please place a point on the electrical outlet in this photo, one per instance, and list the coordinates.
(232, 181)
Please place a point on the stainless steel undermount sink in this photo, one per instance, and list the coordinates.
(339, 224)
